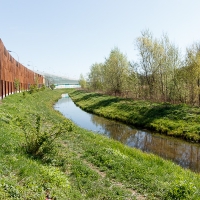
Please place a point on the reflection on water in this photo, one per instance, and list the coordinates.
(185, 154)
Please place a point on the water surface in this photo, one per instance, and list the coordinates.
(183, 153)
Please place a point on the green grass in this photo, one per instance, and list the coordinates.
(175, 120)
(81, 164)
(22, 177)
(145, 173)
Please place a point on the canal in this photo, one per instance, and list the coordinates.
(183, 153)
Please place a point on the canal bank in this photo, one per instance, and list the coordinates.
(81, 165)
(176, 120)
(179, 151)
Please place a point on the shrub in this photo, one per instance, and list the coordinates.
(16, 84)
(33, 88)
(24, 94)
(52, 86)
(39, 138)
(43, 87)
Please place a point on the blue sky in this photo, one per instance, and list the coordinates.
(65, 37)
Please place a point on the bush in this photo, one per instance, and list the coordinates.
(33, 88)
(24, 94)
(43, 87)
(39, 138)
(52, 86)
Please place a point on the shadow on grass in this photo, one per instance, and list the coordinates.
(140, 112)
(86, 96)
(89, 96)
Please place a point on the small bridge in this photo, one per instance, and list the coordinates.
(66, 85)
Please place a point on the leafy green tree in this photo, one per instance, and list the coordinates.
(82, 81)
(115, 72)
(52, 86)
(95, 77)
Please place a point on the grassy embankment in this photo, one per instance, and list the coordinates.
(81, 164)
(175, 120)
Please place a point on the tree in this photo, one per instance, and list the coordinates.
(16, 84)
(148, 63)
(115, 72)
(52, 86)
(133, 81)
(95, 77)
(82, 81)
(159, 61)
(170, 64)
(192, 63)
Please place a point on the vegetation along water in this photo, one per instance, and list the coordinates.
(43, 153)
(178, 120)
(184, 153)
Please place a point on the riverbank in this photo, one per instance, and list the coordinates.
(180, 121)
(81, 165)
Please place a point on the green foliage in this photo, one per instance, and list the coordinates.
(160, 75)
(33, 88)
(159, 60)
(30, 180)
(174, 120)
(84, 165)
(16, 84)
(22, 176)
(43, 87)
(111, 76)
(82, 81)
(146, 173)
(40, 137)
(116, 72)
(52, 86)
(181, 190)
(95, 78)
(24, 94)
(12, 191)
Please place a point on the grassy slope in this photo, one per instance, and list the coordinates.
(21, 176)
(83, 165)
(175, 120)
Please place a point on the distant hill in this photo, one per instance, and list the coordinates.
(53, 79)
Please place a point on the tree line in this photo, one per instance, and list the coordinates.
(160, 74)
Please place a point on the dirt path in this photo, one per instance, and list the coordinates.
(134, 193)
(114, 183)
